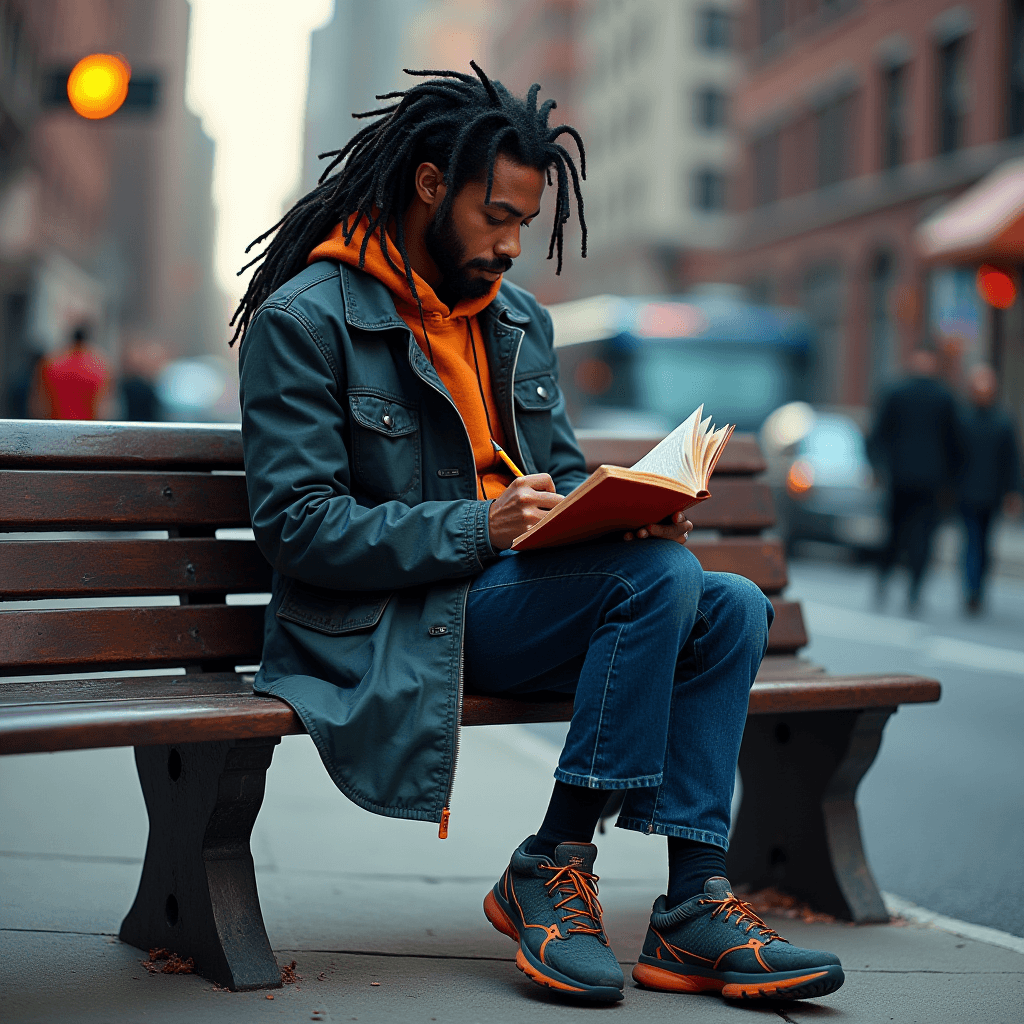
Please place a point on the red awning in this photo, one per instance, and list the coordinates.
(985, 224)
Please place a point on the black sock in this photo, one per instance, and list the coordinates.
(690, 865)
(572, 816)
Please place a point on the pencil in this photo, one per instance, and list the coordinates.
(500, 452)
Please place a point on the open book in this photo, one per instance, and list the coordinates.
(668, 479)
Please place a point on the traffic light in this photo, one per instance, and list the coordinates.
(996, 286)
(98, 85)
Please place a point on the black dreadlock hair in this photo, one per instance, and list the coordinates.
(454, 120)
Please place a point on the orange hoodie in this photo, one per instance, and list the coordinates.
(454, 335)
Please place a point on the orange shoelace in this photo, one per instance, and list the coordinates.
(744, 912)
(574, 884)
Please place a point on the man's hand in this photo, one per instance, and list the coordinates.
(521, 505)
(678, 530)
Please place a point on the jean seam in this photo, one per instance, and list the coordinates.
(698, 655)
(604, 696)
(560, 576)
(701, 835)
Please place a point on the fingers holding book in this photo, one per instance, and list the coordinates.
(678, 529)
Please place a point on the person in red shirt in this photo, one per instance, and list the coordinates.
(74, 383)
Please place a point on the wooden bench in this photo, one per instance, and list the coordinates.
(203, 741)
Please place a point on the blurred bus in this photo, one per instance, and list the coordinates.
(642, 365)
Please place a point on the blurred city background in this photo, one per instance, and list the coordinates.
(788, 202)
(785, 200)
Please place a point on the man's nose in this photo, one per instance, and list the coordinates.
(508, 245)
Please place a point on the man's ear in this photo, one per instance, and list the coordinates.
(429, 182)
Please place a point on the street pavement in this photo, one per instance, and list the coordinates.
(356, 899)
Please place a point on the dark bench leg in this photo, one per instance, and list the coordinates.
(197, 896)
(797, 827)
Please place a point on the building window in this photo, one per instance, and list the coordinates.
(1015, 70)
(954, 94)
(708, 190)
(765, 158)
(894, 116)
(771, 20)
(710, 108)
(834, 143)
(714, 29)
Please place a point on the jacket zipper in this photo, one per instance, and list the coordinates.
(446, 813)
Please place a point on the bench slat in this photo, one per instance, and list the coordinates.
(86, 500)
(101, 639)
(28, 728)
(736, 504)
(763, 561)
(70, 444)
(787, 634)
(742, 455)
(94, 568)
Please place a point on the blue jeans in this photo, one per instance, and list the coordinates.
(659, 654)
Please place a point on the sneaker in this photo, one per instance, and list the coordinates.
(551, 909)
(716, 943)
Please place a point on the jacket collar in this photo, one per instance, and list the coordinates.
(370, 306)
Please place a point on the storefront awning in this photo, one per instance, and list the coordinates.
(985, 224)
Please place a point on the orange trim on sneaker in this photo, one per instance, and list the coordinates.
(542, 979)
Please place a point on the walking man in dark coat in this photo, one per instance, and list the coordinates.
(991, 478)
(917, 448)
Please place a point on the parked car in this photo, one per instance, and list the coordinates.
(825, 489)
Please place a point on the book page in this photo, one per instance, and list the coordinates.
(675, 455)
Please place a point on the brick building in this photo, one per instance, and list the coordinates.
(859, 118)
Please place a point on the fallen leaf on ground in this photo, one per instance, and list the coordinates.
(172, 963)
(375, 983)
(774, 901)
(288, 975)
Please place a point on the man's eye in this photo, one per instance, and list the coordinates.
(495, 221)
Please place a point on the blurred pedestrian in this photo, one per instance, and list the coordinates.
(991, 478)
(142, 360)
(74, 384)
(917, 447)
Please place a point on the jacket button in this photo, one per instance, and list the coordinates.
(437, 630)
(387, 420)
(543, 392)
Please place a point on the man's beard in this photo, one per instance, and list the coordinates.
(448, 253)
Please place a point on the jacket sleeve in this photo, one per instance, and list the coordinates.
(566, 466)
(305, 519)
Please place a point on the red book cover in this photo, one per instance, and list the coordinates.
(612, 498)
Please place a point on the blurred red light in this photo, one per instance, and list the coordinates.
(996, 286)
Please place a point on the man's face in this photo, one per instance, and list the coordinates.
(478, 241)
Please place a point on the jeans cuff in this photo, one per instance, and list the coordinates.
(592, 782)
(649, 827)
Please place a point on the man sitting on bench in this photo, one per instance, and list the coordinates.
(382, 354)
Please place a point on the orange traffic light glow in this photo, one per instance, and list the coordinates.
(98, 85)
(996, 286)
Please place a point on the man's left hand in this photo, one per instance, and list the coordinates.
(678, 530)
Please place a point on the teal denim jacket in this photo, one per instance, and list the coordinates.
(362, 489)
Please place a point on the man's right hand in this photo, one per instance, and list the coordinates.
(521, 505)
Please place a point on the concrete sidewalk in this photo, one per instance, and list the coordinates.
(383, 920)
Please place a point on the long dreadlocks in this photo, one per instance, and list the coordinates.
(456, 121)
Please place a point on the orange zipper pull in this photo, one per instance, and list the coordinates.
(442, 832)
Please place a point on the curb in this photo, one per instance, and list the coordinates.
(964, 929)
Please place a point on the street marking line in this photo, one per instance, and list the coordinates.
(980, 933)
(866, 628)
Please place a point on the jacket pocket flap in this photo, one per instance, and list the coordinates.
(382, 414)
(332, 612)
(536, 394)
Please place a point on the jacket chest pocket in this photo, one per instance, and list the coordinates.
(536, 397)
(385, 445)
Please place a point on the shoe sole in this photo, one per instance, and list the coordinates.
(805, 984)
(538, 972)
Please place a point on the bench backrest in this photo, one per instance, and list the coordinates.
(129, 514)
